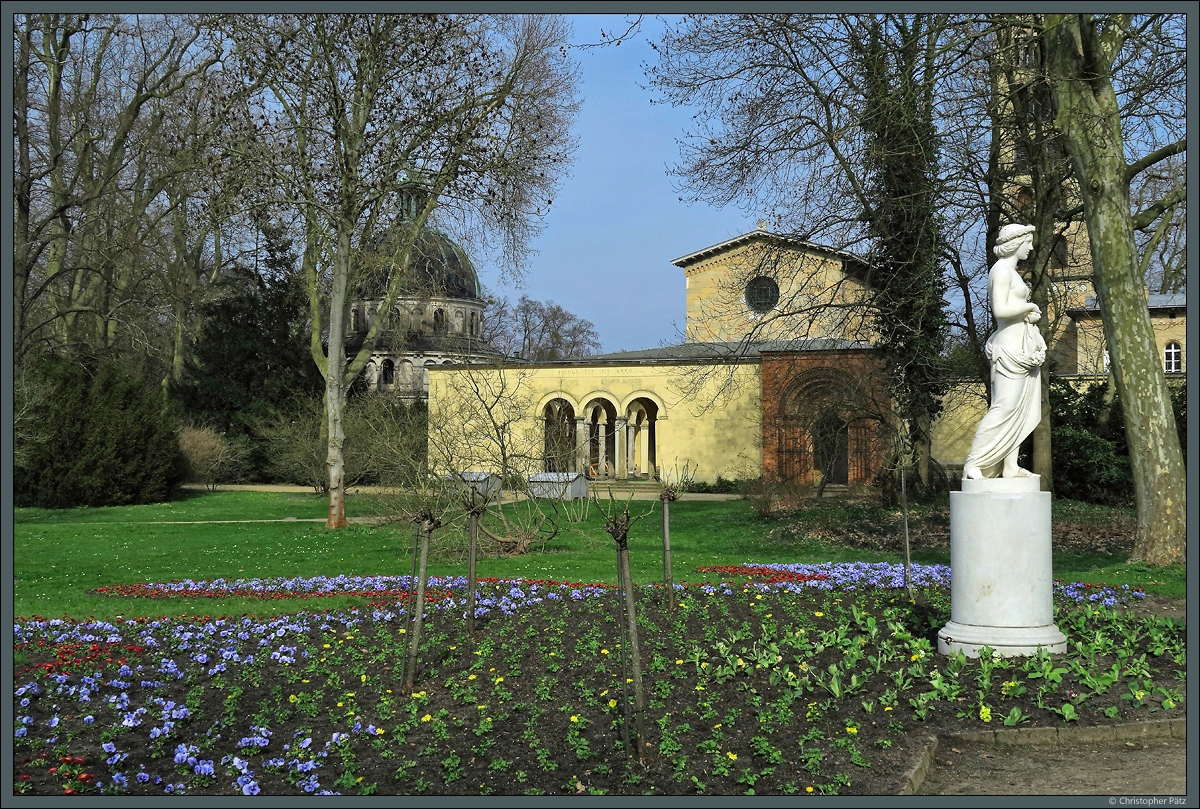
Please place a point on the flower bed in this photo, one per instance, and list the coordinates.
(539, 701)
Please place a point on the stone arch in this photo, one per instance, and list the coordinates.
(439, 321)
(387, 374)
(650, 396)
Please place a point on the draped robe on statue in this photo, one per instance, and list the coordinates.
(1016, 352)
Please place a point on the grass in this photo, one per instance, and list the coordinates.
(753, 687)
(61, 555)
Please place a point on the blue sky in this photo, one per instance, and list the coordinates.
(605, 253)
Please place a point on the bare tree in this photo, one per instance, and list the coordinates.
(539, 331)
(93, 94)
(367, 123)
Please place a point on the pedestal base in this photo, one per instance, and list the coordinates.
(1002, 585)
(1004, 641)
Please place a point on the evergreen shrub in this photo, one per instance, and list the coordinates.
(108, 440)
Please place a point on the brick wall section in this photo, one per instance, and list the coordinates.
(797, 386)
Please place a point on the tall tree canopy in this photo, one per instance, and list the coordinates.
(366, 123)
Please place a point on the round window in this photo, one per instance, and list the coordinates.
(762, 293)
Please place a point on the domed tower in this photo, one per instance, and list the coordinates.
(437, 318)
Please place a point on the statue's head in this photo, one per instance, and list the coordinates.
(1011, 238)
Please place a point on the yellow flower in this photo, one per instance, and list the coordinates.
(378, 731)
(808, 789)
(402, 631)
(499, 679)
(362, 678)
(612, 703)
(574, 718)
(293, 698)
(732, 756)
(325, 646)
(678, 662)
(852, 730)
(339, 704)
(716, 726)
(604, 651)
(758, 596)
(917, 656)
(452, 648)
(426, 718)
(470, 676)
(888, 708)
(985, 713)
(819, 614)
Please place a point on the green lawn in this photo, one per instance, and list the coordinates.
(61, 555)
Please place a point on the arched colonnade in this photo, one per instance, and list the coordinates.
(602, 436)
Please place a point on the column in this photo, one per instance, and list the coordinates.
(581, 445)
(601, 446)
(621, 451)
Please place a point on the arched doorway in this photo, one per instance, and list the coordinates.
(830, 441)
(828, 430)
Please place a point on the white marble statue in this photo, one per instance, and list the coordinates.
(1016, 350)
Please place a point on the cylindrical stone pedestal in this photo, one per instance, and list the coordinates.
(1001, 576)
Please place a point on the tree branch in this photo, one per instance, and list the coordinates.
(1146, 161)
(1146, 218)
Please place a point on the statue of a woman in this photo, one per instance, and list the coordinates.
(1016, 350)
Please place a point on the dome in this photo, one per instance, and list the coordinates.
(439, 267)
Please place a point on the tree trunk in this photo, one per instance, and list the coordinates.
(641, 739)
(1080, 60)
(335, 384)
(416, 606)
(666, 496)
(472, 545)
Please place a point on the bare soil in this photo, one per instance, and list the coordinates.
(1119, 768)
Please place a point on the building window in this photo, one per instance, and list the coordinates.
(762, 294)
(388, 375)
(439, 321)
(1173, 358)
